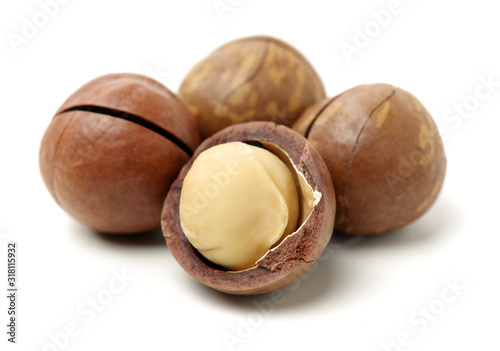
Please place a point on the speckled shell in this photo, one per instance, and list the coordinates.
(251, 79)
(296, 254)
(108, 172)
(384, 153)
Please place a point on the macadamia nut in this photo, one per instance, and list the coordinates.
(384, 154)
(243, 172)
(112, 150)
(237, 202)
(250, 79)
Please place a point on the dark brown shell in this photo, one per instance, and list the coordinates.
(107, 171)
(296, 254)
(384, 153)
(251, 79)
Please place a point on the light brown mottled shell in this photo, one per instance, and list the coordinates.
(252, 79)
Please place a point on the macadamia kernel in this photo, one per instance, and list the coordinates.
(237, 202)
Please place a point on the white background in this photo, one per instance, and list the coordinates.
(362, 295)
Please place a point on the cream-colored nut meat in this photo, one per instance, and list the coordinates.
(237, 202)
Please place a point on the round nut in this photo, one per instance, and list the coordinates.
(112, 150)
(251, 79)
(238, 201)
(284, 262)
(384, 153)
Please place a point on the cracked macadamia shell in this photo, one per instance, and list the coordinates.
(384, 153)
(251, 79)
(282, 264)
(112, 150)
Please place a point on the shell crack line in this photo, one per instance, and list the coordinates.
(306, 134)
(332, 100)
(134, 119)
(252, 76)
(348, 171)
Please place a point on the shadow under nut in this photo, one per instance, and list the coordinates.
(295, 255)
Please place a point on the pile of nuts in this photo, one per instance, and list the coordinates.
(251, 208)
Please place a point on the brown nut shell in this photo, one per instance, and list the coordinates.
(251, 79)
(295, 255)
(112, 150)
(384, 153)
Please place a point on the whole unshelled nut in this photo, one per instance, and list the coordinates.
(384, 153)
(251, 211)
(113, 149)
(251, 79)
